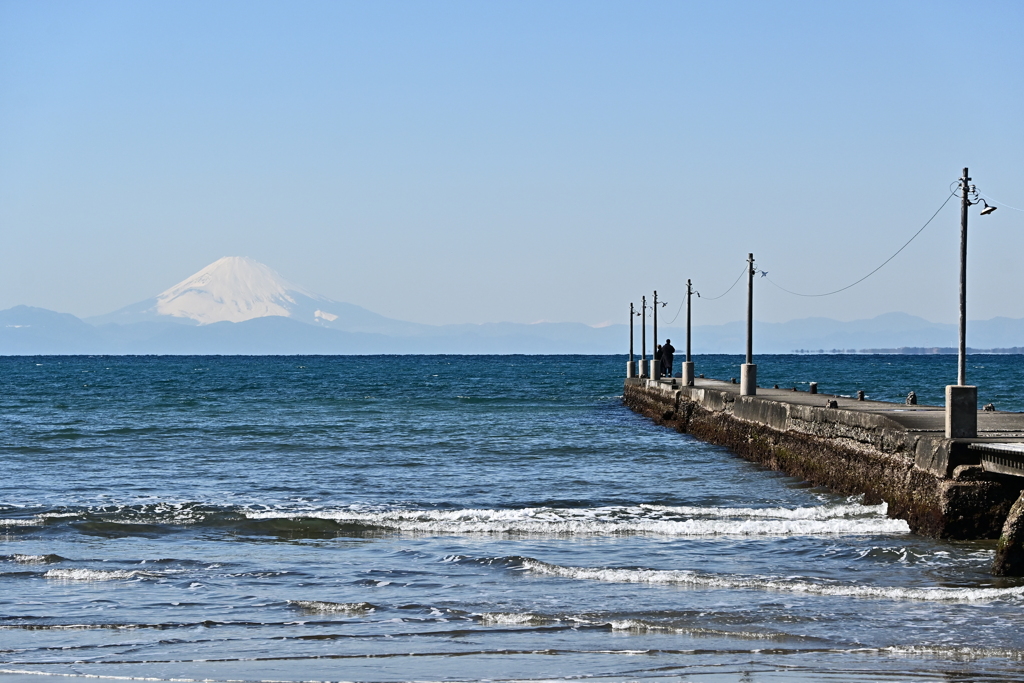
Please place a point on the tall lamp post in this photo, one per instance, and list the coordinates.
(748, 371)
(631, 364)
(961, 398)
(655, 359)
(688, 363)
(643, 336)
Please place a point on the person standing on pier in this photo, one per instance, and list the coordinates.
(667, 353)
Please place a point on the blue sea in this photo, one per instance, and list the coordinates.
(460, 518)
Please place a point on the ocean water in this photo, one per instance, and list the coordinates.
(451, 518)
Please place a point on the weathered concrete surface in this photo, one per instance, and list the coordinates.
(884, 451)
(1010, 549)
(961, 412)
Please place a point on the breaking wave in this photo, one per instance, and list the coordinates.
(844, 519)
(98, 574)
(847, 518)
(694, 579)
(33, 559)
(324, 607)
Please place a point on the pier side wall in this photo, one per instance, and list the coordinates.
(849, 452)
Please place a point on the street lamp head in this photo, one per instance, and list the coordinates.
(988, 209)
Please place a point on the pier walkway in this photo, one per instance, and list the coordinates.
(923, 419)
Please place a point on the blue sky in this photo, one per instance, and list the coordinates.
(471, 162)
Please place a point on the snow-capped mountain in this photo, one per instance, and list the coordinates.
(236, 289)
(233, 289)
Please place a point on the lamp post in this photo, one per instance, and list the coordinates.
(748, 371)
(688, 363)
(631, 364)
(643, 336)
(961, 398)
(655, 360)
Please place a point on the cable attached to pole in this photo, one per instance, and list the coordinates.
(1001, 204)
(842, 289)
(738, 278)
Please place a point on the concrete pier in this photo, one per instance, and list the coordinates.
(897, 453)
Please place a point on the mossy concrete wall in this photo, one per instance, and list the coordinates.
(849, 452)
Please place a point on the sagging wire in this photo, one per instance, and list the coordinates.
(680, 309)
(738, 278)
(842, 289)
(1001, 204)
(677, 312)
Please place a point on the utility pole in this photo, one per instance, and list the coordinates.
(632, 313)
(655, 361)
(961, 399)
(688, 363)
(748, 371)
(965, 203)
(643, 336)
(631, 364)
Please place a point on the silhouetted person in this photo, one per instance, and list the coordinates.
(667, 353)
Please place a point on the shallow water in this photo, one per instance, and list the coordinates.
(459, 518)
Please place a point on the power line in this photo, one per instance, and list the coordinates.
(681, 302)
(841, 289)
(712, 298)
(1001, 204)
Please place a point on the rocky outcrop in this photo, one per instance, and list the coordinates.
(1010, 549)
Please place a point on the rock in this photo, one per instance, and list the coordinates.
(1010, 549)
(970, 473)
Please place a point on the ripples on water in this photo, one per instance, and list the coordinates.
(458, 518)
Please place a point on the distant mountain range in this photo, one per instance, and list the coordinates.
(238, 306)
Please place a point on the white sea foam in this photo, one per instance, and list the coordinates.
(844, 519)
(333, 607)
(953, 652)
(849, 510)
(625, 625)
(641, 626)
(684, 577)
(95, 574)
(513, 619)
(35, 559)
(34, 521)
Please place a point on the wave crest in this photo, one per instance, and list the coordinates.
(684, 577)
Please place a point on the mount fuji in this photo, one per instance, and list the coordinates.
(236, 289)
